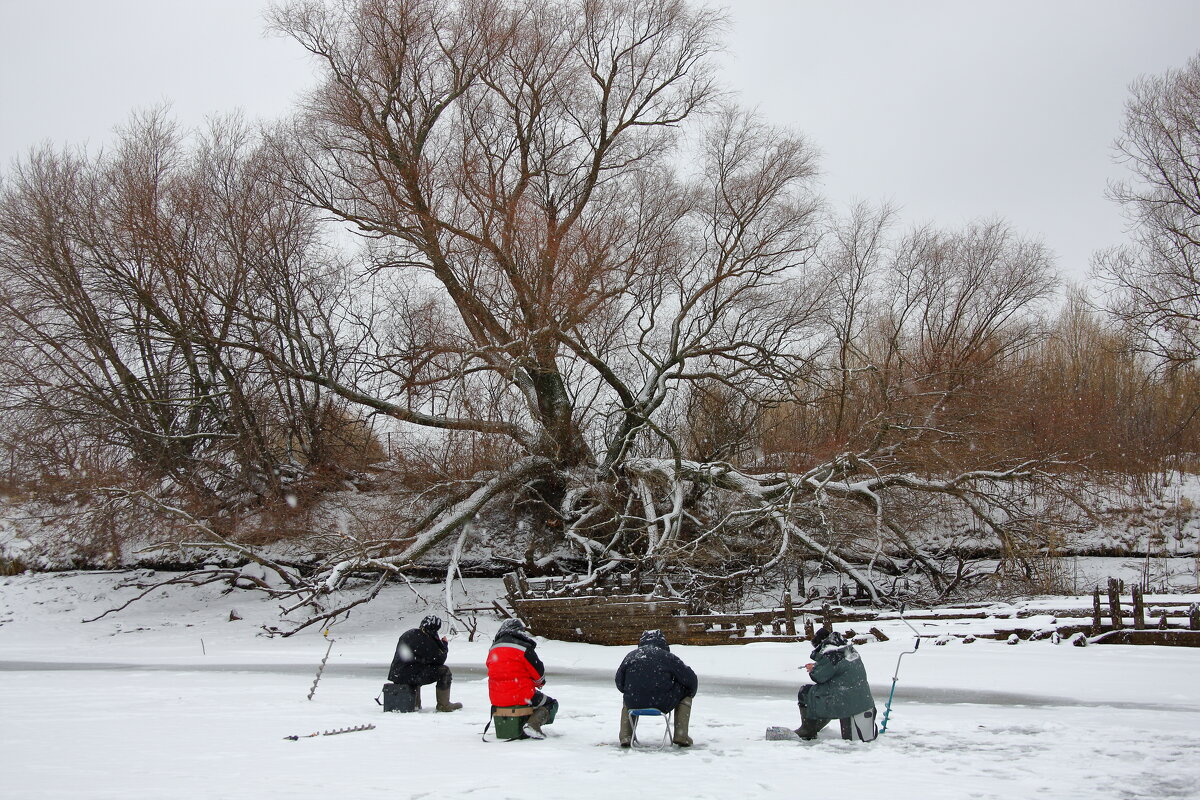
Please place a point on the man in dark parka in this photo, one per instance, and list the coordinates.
(421, 658)
(653, 677)
(839, 690)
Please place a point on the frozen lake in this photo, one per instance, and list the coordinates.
(169, 699)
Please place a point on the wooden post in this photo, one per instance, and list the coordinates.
(511, 586)
(1096, 612)
(776, 628)
(1114, 603)
(789, 614)
(809, 633)
(1139, 609)
(1162, 622)
(522, 583)
(827, 615)
(1194, 617)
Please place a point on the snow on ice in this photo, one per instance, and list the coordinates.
(170, 698)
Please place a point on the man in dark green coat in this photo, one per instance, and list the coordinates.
(839, 690)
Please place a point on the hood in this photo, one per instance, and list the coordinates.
(833, 641)
(653, 638)
(511, 627)
(515, 629)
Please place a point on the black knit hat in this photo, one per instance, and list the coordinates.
(820, 636)
(431, 623)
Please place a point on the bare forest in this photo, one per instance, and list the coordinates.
(528, 263)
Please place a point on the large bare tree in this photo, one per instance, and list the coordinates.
(574, 245)
(578, 252)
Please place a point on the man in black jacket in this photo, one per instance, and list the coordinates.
(421, 658)
(654, 677)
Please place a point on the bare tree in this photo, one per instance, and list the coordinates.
(572, 243)
(578, 255)
(1153, 281)
(121, 276)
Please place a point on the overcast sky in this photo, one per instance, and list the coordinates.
(950, 109)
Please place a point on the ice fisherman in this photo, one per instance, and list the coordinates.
(839, 690)
(421, 659)
(516, 675)
(653, 677)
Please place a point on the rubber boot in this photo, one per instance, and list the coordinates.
(810, 726)
(539, 717)
(683, 715)
(626, 728)
(443, 700)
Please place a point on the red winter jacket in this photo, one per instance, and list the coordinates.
(514, 671)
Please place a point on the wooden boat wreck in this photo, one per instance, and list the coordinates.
(617, 612)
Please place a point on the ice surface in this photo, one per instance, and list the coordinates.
(134, 705)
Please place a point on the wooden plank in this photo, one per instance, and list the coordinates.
(1114, 602)
(789, 614)
(599, 608)
(1167, 638)
(583, 601)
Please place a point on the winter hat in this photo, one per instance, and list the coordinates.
(820, 636)
(431, 623)
(655, 638)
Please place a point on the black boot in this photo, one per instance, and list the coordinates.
(810, 726)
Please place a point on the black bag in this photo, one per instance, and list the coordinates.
(401, 697)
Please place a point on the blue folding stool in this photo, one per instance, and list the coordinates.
(637, 713)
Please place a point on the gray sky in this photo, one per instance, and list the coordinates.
(951, 109)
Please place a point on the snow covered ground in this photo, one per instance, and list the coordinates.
(170, 699)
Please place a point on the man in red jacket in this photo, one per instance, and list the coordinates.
(516, 674)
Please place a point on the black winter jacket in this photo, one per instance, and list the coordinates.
(654, 677)
(419, 655)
